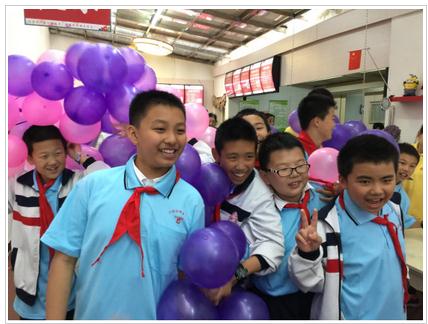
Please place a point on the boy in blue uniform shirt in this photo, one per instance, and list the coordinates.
(126, 225)
(359, 270)
(409, 159)
(284, 168)
(34, 200)
(250, 203)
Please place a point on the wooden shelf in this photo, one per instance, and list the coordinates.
(406, 99)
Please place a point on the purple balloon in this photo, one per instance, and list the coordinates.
(212, 183)
(341, 134)
(147, 81)
(51, 81)
(243, 305)
(357, 126)
(107, 125)
(293, 121)
(118, 102)
(85, 106)
(135, 63)
(19, 75)
(102, 67)
(209, 258)
(235, 233)
(189, 164)
(182, 300)
(74, 52)
(116, 150)
(385, 135)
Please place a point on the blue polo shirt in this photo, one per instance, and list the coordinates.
(405, 204)
(114, 289)
(279, 282)
(371, 287)
(38, 310)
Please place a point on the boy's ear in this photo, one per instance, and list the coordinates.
(131, 131)
(216, 156)
(343, 182)
(30, 159)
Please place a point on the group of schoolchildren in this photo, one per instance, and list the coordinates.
(111, 241)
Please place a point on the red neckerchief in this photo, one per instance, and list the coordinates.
(303, 205)
(46, 214)
(392, 230)
(129, 221)
(307, 142)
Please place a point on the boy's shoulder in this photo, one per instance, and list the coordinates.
(184, 190)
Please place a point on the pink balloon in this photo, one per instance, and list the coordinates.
(40, 111)
(28, 166)
(209, 136)
(12, 172)
(197, 120)
(76, 133)
(17, 151)
(19, 129)
(52, 55)
(323, 163)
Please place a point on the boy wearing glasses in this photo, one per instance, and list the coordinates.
(250, 203)
(285, 169)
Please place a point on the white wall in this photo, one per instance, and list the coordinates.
(30, 41)
(168, 69)
(406, 56)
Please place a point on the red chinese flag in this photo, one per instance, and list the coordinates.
(354, 60)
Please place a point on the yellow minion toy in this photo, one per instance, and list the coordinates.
(410, 85)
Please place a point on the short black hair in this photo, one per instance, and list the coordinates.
(213, 115)
(234, 129)
(315, 105)
(276, 142)
(144, 100)
(366, 148)
(378, 126)
(252, 111)
(35, 134)
(409, 149)
(321, 91)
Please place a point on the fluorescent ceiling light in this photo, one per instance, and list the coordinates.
(152, 46)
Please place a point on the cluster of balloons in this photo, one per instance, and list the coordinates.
(83, 91)
(209, 258)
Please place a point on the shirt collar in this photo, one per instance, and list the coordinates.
(307, 142)
(280, 203)
(54, 187)
(163, 184)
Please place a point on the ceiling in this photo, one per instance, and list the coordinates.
(201, 35)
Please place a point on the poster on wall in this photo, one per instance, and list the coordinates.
(279, 108)
(245, 81)
(255, 104)
(194, 94)
(90, 19)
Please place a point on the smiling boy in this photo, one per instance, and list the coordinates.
(359, 271)
(120, 224)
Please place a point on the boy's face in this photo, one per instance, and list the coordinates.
(160, 139)
(237, 158)
(326, 125)
(259, 125)
(48, 158)
(212, 122)
(289, 188)
(406, 166)
(370, 185)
